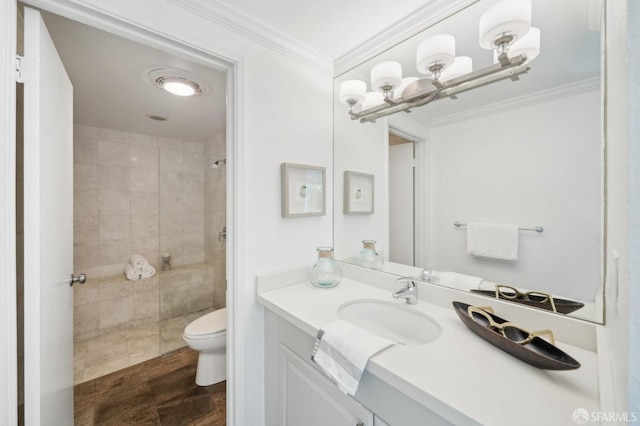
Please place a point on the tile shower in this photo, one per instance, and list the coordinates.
(148, 195)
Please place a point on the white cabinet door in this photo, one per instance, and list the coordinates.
(48, 230)
(309, 399)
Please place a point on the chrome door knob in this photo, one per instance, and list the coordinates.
(82, 278)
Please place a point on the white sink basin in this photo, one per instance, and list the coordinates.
(391, 320)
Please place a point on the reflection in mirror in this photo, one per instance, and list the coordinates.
(501, 159)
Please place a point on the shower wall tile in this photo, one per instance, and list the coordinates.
(171, 181)
(193, 244)
(113, 177)
(193, 161)
(170, 159)
(85, 321)
(192, 223)
(173, 144)
(174, 245)
(114, 252)
(193, 181)
(170, 224)
(170, 201)
(113, 203)
(144, 203)
(85, 132)
(85, 177)
(113, 152)
(116, 269)
(86, 293)
(85, 228)
(114, 228)
(144, 141)
(86, 254)
(195, 147)
(115, 314)
(115, 290)
(145, 226)
(144, 180)
(193, 202)
(109, 135)
(143, 157)
(85, 203)
(85, 151)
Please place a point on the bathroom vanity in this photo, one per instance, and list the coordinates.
(458, 378)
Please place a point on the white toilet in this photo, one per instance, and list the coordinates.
(208, 335)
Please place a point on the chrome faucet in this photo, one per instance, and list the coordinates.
(409, 292)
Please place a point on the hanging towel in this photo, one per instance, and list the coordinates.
(132, 273)
(138, 261)
(459, 281)
(342, 350)
(493, 241)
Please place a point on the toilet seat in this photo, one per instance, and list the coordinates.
(213, 324)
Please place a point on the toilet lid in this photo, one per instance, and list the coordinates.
(211, 323)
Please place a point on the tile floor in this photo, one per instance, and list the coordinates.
(98, 356)
(161, 391)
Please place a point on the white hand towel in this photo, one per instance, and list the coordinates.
(147, 272)
(132, 273)
(138, 261)
(492, 240)
(342, 350)
(459, 281)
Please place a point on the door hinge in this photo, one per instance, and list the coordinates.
(25, 70)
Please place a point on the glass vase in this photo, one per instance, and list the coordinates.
(326, 273)
(368, 256)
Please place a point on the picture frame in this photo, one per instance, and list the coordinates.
(358, 193)
(303, 190)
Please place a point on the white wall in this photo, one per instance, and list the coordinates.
(525, 166)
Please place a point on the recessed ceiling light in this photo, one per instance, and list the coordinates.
(177, 82)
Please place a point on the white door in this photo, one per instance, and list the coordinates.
(48, 224)
(401, 203)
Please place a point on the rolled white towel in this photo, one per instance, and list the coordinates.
(132, 273)
(147, 272)
(138, 261)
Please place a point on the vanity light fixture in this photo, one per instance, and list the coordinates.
(505, 28)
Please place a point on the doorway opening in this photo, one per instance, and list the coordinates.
(143, 186)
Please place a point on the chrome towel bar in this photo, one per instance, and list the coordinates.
(536, 228)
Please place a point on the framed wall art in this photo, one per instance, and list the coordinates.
(303, 190)
(358, 193)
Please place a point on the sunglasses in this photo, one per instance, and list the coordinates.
(512, 293)
(513, 332)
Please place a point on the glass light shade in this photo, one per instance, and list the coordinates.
(528, 45)
(372, 99)
(511, 17)
(403, 85)
(461, 66)
(439, 49)
(386, 74)
(352, 89)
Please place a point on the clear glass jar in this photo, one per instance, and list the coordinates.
(368, 256)
(326, 273)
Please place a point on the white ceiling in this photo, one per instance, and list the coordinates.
(329, 27)
(109, 73)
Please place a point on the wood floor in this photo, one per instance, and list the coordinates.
(161, 391)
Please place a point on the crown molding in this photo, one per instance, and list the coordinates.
(572, 89)
(234, 20)
(433, 12)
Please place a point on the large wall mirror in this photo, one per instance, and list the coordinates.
(528, 152)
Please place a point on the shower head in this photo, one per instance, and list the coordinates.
(216, 165)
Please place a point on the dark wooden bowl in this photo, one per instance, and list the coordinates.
(538, 353)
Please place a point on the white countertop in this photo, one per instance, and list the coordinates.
(459, 376)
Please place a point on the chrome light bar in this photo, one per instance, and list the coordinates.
(427, 90)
